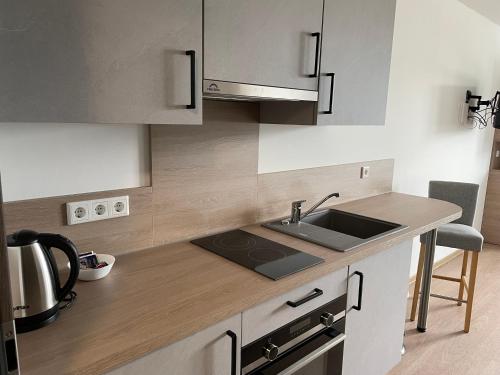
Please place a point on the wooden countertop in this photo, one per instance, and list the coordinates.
(155, 297)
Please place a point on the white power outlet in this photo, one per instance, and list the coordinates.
(99, 209)
(365, 172)
(119, 206)
(78, 212)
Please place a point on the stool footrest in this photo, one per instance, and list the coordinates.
(447, 278)
(448, 298)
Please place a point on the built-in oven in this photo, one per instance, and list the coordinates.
(310, 345)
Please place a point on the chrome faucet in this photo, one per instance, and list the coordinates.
(297, 214)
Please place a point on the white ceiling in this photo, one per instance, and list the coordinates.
(488, 8)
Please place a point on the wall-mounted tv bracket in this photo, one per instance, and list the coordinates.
(481, 112)
(474, 101)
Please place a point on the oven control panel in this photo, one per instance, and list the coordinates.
(301, 327)
(271, 346)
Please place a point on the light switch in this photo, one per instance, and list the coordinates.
(365, 172)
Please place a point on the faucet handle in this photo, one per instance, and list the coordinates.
(298, 203)
(296, 211)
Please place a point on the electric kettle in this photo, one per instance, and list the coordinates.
(34, 277)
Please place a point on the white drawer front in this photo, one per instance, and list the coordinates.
(272, 314)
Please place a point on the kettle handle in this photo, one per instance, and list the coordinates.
(49, 240)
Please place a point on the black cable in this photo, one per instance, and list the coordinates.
(68, 300)
(482, 119)
(477, 121)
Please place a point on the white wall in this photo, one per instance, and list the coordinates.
(488, 8)
(441, 48)
(40, 160)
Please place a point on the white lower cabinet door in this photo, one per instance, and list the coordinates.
(209, 352)
(376, 310)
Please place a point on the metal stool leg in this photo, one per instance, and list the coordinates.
(430, 248)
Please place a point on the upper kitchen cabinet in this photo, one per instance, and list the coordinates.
(355, 61)
(355, 65)
(262, 49)
(101, 61)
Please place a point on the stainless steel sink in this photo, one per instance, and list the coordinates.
(337, 230)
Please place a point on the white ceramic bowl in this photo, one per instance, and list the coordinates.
(92, 274)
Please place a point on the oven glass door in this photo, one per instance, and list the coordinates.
(320, 355)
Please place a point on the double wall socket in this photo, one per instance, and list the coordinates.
(99, 209)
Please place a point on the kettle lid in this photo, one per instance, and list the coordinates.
(22, 238)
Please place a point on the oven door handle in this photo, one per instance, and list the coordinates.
(313, 355)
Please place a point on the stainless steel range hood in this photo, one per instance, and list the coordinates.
(213, 89)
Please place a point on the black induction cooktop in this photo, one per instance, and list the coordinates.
(264, 256)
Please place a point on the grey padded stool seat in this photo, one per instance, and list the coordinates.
(460, 235)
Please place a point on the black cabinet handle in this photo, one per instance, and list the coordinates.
(233, 351)
(192, 54)
(316, 294)
(332, 88)
(316, 58)
(360, 290)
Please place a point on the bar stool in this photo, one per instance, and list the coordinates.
(460, 235)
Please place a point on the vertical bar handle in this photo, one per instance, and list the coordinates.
(233, 337)
(8, 350)
(360, 290)
(316, 55)
(192, 55)
(332, 88)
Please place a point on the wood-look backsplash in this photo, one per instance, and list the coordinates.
(204, 180)
(114, 236)
(277, 190)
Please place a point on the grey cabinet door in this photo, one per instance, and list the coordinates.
(374, 334)
(357, 47)
(100, 61)
(205, 353)
(263, 42)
